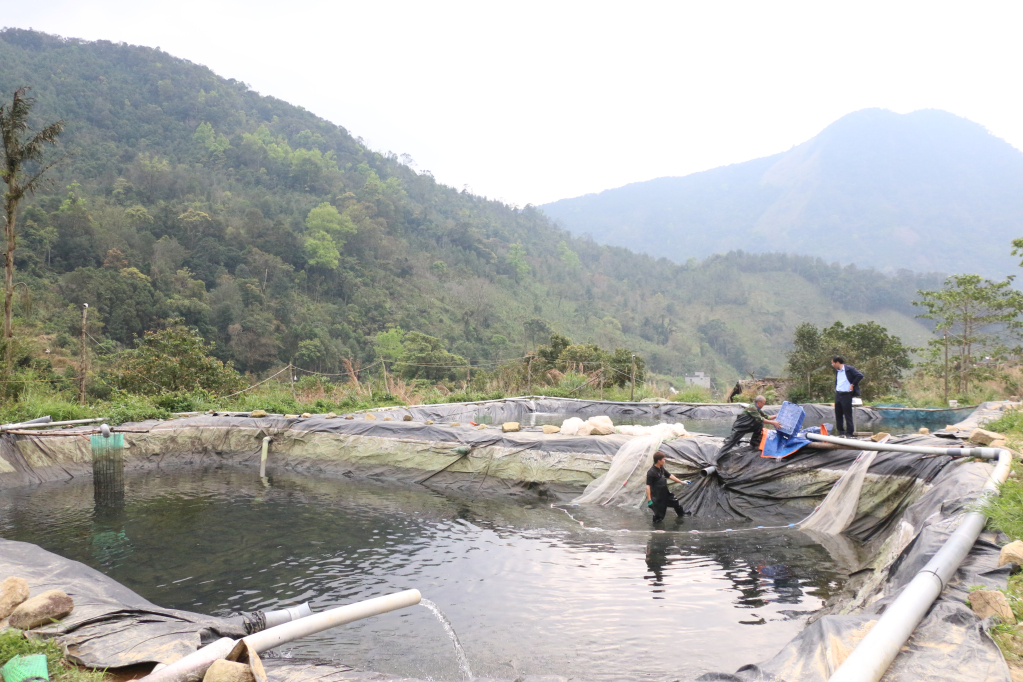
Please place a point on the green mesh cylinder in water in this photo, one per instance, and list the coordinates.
(108, 469)
(25, 668)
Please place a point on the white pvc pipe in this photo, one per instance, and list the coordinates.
(37, 424)
(262, 457)
(193, 667)
(871, 658)
(318, 622)
(280, 616)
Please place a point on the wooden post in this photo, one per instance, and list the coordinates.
(529, 376)
(291, 375)
(468, 373)
(946, 367)
(387, 386)
(602, 381)
(81, 362)
(632, 394)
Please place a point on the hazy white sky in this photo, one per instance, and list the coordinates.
(536, 101)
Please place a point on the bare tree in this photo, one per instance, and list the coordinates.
(21, 181)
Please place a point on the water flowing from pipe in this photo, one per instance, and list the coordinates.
(463, 660)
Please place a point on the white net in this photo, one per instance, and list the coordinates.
(838, 509)
(624, 484)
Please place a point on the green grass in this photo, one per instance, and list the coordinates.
(13, 643)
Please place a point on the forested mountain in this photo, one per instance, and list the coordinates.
(925, 191)
(279, 236)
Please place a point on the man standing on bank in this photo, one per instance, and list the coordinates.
(658, 497)
(847, 387)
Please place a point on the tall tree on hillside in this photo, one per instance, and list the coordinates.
(975, 317)
(22, 171)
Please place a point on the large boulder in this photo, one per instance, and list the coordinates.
(228, 671)
(510, 427)
(984, 437)
(1012, 553)
(551, 428)
(13, 592)
(987, 603)
(42, 609)
(257, 413)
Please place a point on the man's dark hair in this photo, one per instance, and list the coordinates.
(658, 456)
(839, 359)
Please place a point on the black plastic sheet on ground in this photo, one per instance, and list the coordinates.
(111, 626)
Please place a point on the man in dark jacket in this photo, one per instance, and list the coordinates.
(658, 497)
(751, 421)
(847, 386)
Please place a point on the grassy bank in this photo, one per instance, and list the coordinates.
(1005, 513)
(13, 643)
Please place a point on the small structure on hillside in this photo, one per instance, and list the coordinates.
(698, 379)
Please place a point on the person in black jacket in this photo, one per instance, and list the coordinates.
(847, 386)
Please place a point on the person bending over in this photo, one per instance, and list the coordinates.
(847, 387)
(658, 497)
(751, 421)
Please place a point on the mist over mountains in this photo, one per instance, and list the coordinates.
(926, 191)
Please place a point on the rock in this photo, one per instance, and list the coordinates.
(550, 428)
(481, 426)
(330, 415)
(228, 671)
(306, 415)
(407, 418)
(509, 427)
(987, 603)
(388, 419)
(601, 430)
(291, 416)
(878, 437)
(13, 591)
(370, 417)
(456, 423)
(349, 416)
(584, 429)
(997, 443)
(924, 431)
(257, 413)
(1012, 553)
(984, 437)
(428, 422)
(41, 609)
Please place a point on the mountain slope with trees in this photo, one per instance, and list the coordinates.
(280, 238)
(926, 191)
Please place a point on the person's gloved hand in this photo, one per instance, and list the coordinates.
(649, 503)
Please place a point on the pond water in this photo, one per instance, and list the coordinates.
(527, 588)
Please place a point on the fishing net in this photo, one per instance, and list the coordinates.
(624, 484)
(838, 510)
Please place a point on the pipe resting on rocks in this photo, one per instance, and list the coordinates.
(871, 658)
(193, 667)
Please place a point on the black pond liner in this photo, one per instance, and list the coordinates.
(909, 506)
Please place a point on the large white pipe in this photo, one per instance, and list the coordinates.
(193, 667)
(318, 622)
(871, 658)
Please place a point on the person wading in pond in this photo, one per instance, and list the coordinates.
(751, 421)
(847, 387)
(658, 497)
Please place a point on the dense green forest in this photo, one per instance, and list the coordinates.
(926, 191)
(281, 238)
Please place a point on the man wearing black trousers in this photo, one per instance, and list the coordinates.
(847, 386)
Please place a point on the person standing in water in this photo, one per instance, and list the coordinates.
(658, 497)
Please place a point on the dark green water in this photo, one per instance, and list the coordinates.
(528, 590)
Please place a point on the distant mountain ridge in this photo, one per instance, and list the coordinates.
(926, 191)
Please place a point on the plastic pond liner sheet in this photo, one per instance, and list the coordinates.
(893, 512)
